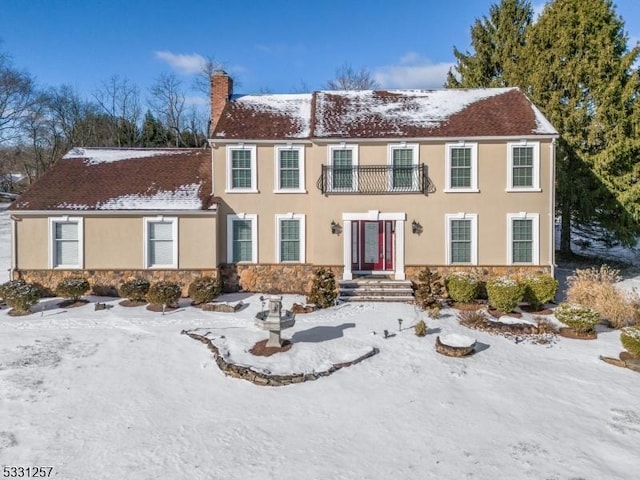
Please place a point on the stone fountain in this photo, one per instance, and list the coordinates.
(275, 321)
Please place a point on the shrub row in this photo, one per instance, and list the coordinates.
(504, 293)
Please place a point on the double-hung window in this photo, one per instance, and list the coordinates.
(343, 160)
(289, 169)
(242, 241)
(462, 238)
(290, 233)
(523, 239)
(161, 242)
(241, 169)
(66, 242)
(461, 167)
(403, 161)
(523, 166)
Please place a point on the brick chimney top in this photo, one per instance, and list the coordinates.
(221, 90)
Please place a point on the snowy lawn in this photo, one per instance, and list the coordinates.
(121, 394)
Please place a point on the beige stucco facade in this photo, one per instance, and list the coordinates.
(492, 204)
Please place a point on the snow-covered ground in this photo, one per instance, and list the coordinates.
(121, 394)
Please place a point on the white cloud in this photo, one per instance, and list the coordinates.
(183, 63)
(412, 71)
(196, 100)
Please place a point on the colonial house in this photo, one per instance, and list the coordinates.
(366, 183)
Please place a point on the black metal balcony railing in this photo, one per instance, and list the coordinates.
(374, 179)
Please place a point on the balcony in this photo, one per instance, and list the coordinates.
(374, 180)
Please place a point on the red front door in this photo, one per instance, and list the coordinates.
(372, 245)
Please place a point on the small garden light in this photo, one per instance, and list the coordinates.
(400, 324)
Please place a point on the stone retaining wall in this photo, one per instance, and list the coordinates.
(263, 379)
(106, 282)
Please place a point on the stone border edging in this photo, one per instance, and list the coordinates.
(264, 379)
(631, 365)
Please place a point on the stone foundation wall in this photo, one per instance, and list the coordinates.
(106, 282)
(271, 278)
(482, 272)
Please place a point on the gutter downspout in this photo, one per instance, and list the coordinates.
(14, 247)
(552, 206)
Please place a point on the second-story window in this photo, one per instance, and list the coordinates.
(241, 169)
(462, 167)
(524, 166)
(403, 160)
(289, 169)
(344, 160)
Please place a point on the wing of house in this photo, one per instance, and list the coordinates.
(113, 214)
(362, 182)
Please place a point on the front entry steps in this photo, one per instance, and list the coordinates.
(368, 289)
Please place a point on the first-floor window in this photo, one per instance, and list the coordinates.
(161, 242)
(290, 238)
(462, 238)
(523, 238)
(66, 243)
(241, 238)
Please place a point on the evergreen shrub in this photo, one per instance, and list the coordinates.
(420, 328)
(539, 289)
(164, 293)
(20, 295)
(135, 289)
(323, 289)
(462, 286)
(579, 317)
(504, 293)
(630, 339)
(204, 289)
(72, 288)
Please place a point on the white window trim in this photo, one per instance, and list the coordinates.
(536, 166)
(415, 158)
(276, 180)
(354, 164)
(474, 167)
(474, 236)
(52, 239)
(535, 232)
(254, 172)
(291, 216)
(174, 236)
(254, 235)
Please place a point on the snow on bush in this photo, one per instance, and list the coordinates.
(204, 289)
(579, 317)
(462, 286)
(630, 339)
(20, 295)
(72, 288)
(504, 293)
(539, 289)
(164, 293)
(135, 289)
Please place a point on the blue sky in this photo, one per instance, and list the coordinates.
(268, 45)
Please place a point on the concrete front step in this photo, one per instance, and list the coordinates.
(377, 298)
(375, 290)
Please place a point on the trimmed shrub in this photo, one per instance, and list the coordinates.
(19, 295)
(429, 289)
(434, 312)
(135, 289)
(323, 290)
(630, 339)
(579, 317)
(420, 328)
(204, 289)
(596, 289)
(539, 289)
(72, 288)
(164, 293)
(462, 287)
(504, 293)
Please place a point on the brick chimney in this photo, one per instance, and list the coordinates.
(221, 90)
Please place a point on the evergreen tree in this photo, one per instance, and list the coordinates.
(580, 74)
(497, 43)
(154, 133)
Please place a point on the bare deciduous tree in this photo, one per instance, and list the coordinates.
(16, 97)
(119, 99)
(168, 103)
(348, 78)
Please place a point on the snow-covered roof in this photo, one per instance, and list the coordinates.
(103, 179)
(458, 113)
